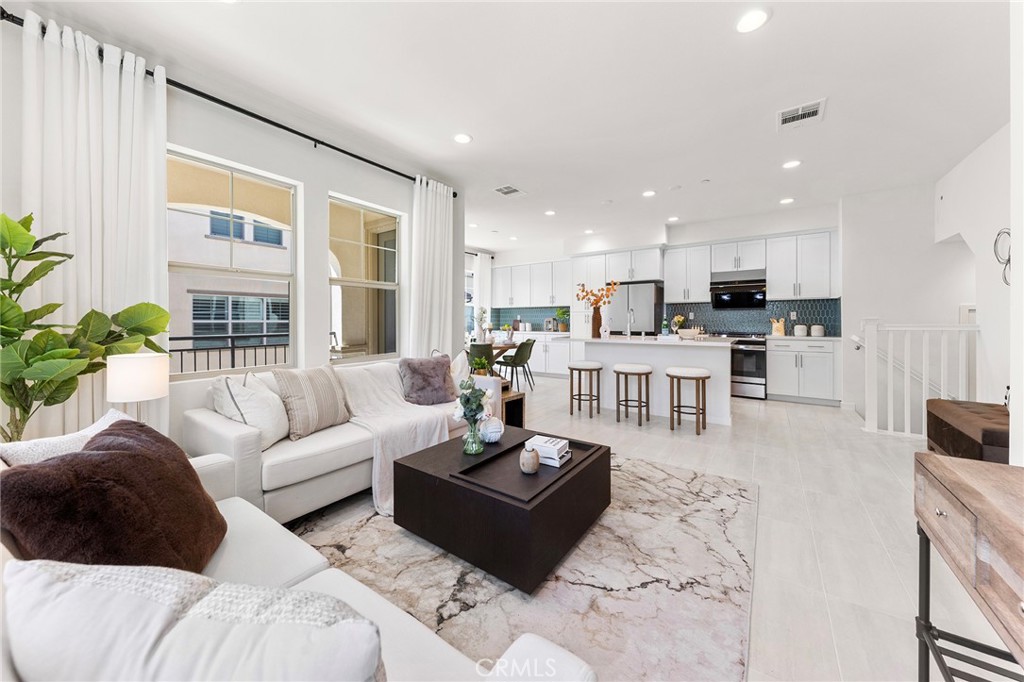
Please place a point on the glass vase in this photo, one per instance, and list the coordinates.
(473, 445)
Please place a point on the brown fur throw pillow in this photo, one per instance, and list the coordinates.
(130, 497)
(427, 381)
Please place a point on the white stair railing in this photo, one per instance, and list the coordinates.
(906, 364)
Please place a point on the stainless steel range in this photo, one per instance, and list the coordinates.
(749, 365)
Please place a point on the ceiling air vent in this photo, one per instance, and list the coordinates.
(509, 191)
(805, 114)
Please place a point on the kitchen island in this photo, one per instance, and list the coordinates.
(714, 355)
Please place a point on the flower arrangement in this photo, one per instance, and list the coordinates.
(679, 321)
(597, 297)
(481, 317)
(474, 408)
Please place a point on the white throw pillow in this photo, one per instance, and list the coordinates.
(153, 623)
(39, 449)
(460, 368)
(251, 402)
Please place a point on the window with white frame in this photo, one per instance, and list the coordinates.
(363, 261)
(231, 265)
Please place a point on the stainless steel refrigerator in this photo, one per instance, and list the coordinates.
(644, 300)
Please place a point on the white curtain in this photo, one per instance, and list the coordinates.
(93, 165)
(429, 288)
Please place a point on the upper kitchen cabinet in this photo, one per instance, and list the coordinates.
(799, 266)
(688, 275)
(501, 287)
(520, 285)
(745, 255)
(590, 272)
(562, 288)
(640, 264)
(541, 290)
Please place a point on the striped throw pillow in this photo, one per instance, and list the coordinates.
(313, 399)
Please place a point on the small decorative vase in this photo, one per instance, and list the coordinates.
(473, 445)
(595, 323)
(529, 461)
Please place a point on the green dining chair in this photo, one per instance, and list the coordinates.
(521, 359)
(481, 350)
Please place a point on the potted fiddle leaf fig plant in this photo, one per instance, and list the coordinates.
(40, 362)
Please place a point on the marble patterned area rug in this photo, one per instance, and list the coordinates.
(658, 589)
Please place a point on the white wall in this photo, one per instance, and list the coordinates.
(1017, 228)
(785, 219)
(894, 270)
(972, 202)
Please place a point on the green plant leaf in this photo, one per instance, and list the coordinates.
(94, 326)
(34, 275)
(54, 370)
(40, 255)
(26, 221)
(41, 312)
(125, 346)
(147, 319)
(14, 237)
(55, 354)
(89, 349)
(92, 368)
(154, 346)
(7, 395)
(44, 342)
(55, 392)
(12, 361)
(11, 314)
(6, 284)
(48, 238)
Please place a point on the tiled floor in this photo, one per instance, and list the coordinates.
(835, 571)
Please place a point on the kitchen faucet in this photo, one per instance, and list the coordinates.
(629, 324)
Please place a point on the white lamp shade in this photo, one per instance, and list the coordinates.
(138, 377)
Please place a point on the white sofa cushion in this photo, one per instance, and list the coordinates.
(74, 621)
(39, 449)
(336, 447)
(251, 402)
(410, 650)
(259, 551)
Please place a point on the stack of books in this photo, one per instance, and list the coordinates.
(554, 452)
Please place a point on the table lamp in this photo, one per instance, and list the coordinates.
(138, 377)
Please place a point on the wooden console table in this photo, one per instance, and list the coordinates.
(973, 512)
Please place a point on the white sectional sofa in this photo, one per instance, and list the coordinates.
(292, 478)
(259, 551)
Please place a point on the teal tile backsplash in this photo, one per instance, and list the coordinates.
(534, 316)
(826, 311)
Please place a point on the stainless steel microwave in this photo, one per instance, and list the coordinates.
(740, 289)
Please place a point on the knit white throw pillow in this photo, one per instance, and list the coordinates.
(39, 449)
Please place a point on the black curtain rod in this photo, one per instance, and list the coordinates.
(18, 21)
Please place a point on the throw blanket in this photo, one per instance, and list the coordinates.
(377, 402)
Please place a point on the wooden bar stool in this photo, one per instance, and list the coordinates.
(578, 369)
(643, 388)
(699, 376)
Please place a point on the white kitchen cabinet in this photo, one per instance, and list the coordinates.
(579, 324)
(618, 266)
(557, 352)
(562, 290)
(501, 287)
(646, 264)
(799, 266)
(596, 276)
(688, 275)
(520, 280)
(541, 285)
(579, 276)
(745, 255)
(803, 368)
(813, 265)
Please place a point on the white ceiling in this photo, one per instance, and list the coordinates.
(577, 103)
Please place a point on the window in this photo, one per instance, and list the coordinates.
(231, 265)
(363, 258)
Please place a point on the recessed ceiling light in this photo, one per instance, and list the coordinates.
(649, 193)
(513, 239)
(752, 20)
(549, 213)
(473, 225)
(673, 219)
(787, 200)
(463, 138)
(588, 232)
(791, 164)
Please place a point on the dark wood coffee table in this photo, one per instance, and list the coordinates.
(484, 510)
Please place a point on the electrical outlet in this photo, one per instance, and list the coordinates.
(693, 315)
(792, 315)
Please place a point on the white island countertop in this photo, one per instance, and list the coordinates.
(652, 341)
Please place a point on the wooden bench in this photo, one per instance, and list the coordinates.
(959, 428)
